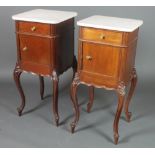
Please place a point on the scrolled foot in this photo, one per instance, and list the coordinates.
(57, 121)
(128, 116)
(72, 127)
(88, 108)
(19, 111)
(42, 98)
(116, 137)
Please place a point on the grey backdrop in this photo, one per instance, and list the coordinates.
(36, 129)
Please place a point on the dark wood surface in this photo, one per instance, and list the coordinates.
(106, 59)
(45, 50)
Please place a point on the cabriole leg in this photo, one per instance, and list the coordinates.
(55, 97)
(17, 73)
(74, 99)
(130, 94)
(121, 96)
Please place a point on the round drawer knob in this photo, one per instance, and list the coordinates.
(88, 57)
(102, 36)
(25, 48)
(33, 28)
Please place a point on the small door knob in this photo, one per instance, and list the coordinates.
(88, 57)
(102, 36)
(25, 48)
(33, 28)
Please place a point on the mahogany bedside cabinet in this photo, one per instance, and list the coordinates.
(45, 47)
(106, 59)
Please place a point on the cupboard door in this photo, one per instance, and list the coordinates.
(100, 60)
(35, 49)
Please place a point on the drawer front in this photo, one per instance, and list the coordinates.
(34, 28)
(100, 60)
(103, 36)
(35, 49)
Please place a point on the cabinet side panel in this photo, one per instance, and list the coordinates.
(65, 46)
(131, 39)
(17, 42)
(80, 44)
(130, 61)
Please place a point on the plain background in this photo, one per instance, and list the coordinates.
(36, 129)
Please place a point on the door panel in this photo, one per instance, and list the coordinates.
(100, 59)
(35, 49)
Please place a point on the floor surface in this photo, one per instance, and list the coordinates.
(36, 128)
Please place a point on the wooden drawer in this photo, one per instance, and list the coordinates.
(34, 28)
(35, 49)
(100, 35)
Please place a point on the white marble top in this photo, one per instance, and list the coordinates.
(111, 23)
(45, 16)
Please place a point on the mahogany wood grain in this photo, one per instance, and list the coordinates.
(99, 55)
(38, 49)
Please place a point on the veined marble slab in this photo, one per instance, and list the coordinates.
(111, 23)
(44, 16)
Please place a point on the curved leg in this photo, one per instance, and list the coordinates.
(130, 94)
(91, 98)
(74, 66)
(41, 79)
(121, 96)
(74, 99)
(55, 97)
(17, 73)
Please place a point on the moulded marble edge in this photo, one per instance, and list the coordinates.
(44, 16)
(111, 23)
